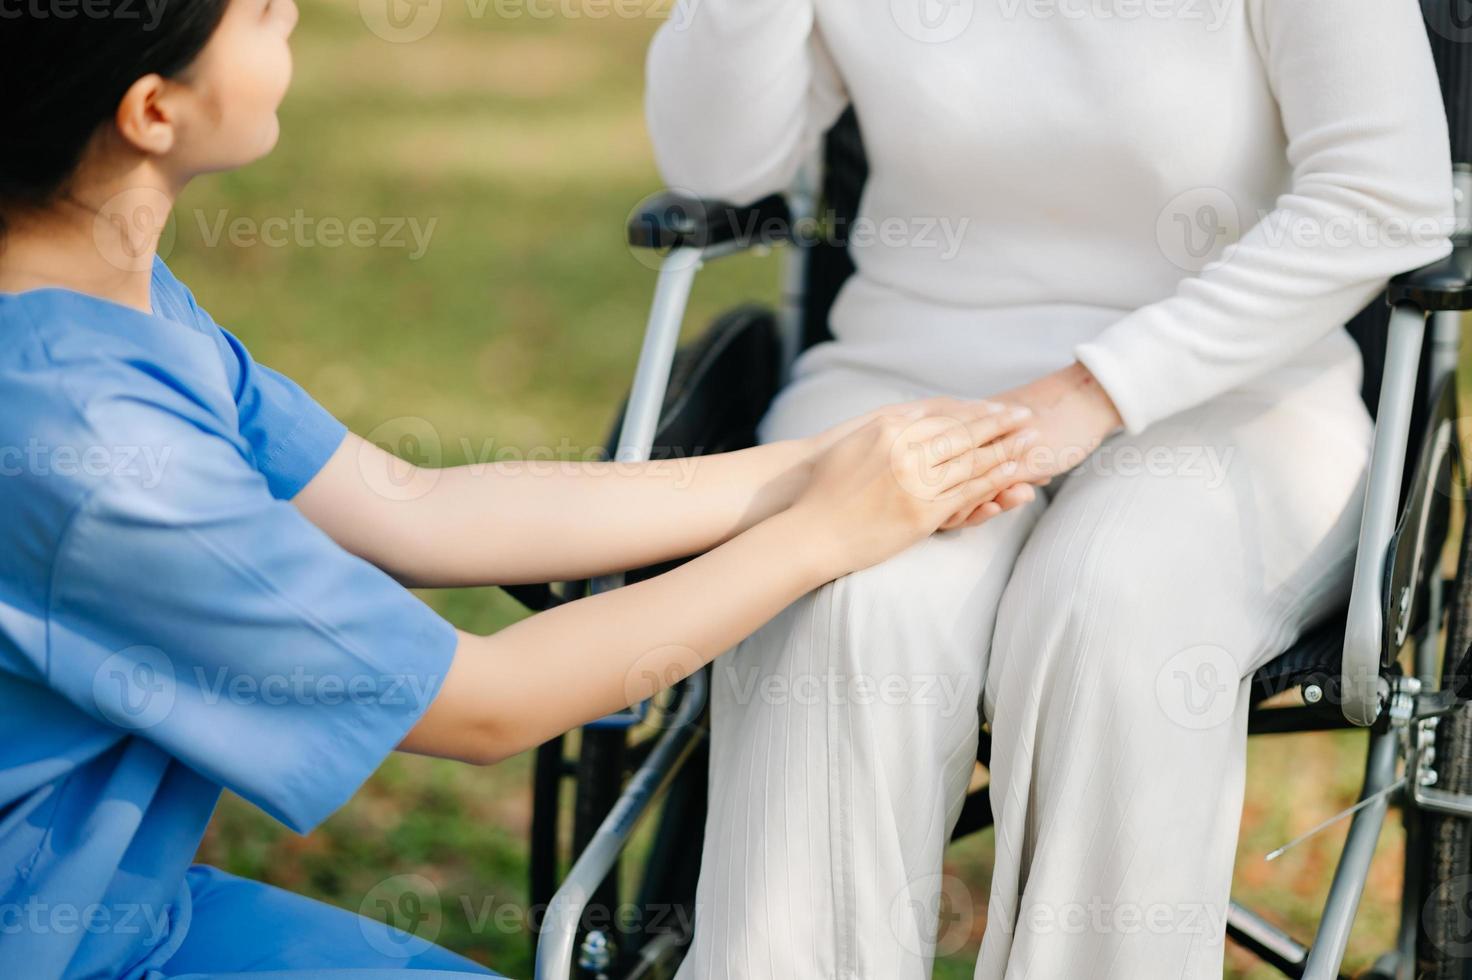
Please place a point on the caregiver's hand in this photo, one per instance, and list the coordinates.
(902, 473)
(887, 483)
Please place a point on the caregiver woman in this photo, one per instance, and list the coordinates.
(1087, 154)
(198, 562)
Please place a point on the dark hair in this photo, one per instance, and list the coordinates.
(64, 67)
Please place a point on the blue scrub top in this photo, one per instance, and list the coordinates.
(169, 623)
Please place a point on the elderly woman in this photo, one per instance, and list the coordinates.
(1166, 212)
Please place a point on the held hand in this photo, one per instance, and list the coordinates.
(898, 476)
(1072, 415)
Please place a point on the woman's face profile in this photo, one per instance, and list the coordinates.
(230, 94)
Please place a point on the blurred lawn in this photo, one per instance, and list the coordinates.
(521, 139)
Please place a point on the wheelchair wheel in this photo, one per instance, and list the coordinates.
(1444, 941)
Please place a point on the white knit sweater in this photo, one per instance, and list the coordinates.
(1190, 191)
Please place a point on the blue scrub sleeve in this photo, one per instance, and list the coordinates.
(204, 614)
(291, 435)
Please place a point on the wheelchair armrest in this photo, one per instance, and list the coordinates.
(671, 219)
(1443, 285)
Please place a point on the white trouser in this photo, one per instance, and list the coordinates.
(1106, 629)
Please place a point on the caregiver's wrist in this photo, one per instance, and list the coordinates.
(812, 545)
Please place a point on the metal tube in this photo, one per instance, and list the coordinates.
(802, 212)
(1265, 940)
(1364, 629)
(560, 925)
(1327, 952)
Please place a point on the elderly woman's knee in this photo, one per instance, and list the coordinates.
(1123, 633)
(908, 628)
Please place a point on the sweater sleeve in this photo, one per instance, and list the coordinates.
(1370, 197)
(739, 92)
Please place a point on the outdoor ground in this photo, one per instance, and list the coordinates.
(510, 137)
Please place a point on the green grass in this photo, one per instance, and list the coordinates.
(521, 140)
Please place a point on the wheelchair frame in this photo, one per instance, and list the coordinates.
(1401, 711)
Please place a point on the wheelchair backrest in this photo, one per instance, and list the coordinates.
(846, 168)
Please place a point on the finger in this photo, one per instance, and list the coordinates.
(1013, 497)
(981, 429)
(983, 513)
(974, 424)
(961, 518)
(953, 407)
(979, 460)
(975, 491)
(1017, 495)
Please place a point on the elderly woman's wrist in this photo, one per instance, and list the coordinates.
(1091, 394)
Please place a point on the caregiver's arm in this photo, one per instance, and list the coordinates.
(513, 522)
(508, 522)
(1371, 196)
(880, 490)
(738, 92)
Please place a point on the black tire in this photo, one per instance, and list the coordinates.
(1444, 940)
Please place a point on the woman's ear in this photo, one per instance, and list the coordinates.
(145, 118)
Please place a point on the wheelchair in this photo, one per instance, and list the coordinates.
(1396, 661)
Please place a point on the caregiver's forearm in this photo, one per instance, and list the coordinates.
(541, 521)
(515, 689)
